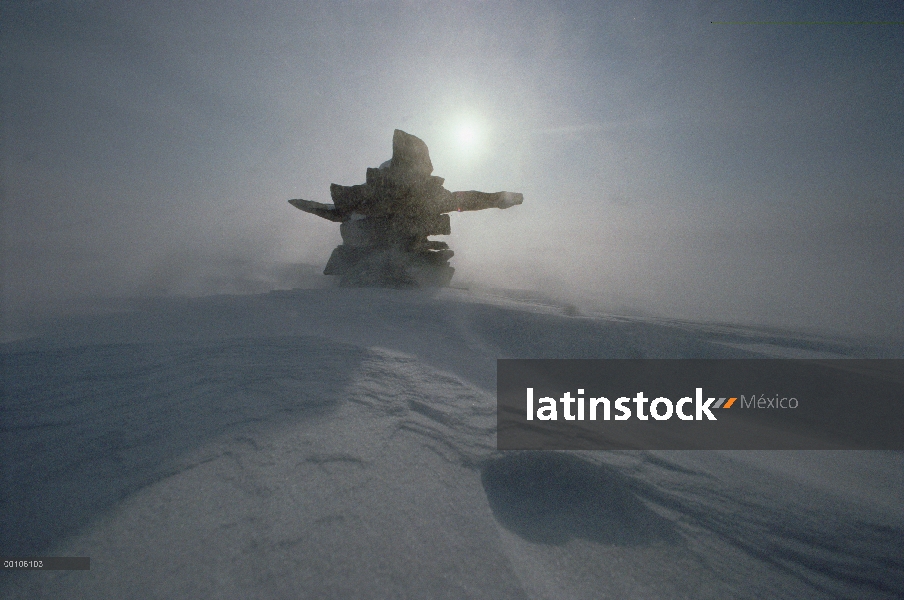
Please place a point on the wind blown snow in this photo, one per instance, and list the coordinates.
(340, 443)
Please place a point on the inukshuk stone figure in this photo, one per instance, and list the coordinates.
(385, 223)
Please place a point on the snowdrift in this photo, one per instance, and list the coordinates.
(340, 443)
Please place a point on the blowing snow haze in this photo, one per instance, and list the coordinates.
(670, 165)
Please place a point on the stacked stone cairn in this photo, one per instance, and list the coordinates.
(385, 223)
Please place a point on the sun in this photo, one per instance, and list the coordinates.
(467, 135)
(470, 137)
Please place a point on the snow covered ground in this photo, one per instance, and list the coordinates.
(339, 443)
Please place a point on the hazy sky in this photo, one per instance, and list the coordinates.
(748, 173)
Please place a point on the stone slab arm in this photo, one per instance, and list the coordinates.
(326, 211)
(472, 200)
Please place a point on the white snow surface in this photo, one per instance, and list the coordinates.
(340, 443)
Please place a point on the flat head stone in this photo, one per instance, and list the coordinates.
(410, 154)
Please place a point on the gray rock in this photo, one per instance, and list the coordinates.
(347, 198)
(410, 154)
(473, 200)
(326, 211)
(388, 267)
(385, 222)
(393, 231)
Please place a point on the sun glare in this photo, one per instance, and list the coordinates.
(470, 137)
(467, 135)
